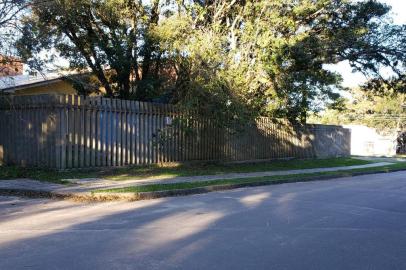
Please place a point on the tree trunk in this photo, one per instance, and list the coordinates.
(148, 43)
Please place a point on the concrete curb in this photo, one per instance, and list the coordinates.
(104, 197)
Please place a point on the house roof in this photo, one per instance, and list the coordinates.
(13, 83)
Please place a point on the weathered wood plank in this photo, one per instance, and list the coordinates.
(114, 132)
(107, 104)
(127, 144)
(137, 133)
(142, 134)
(70, 132)
(93, 133)
(87, 135)
(149, 134)
(82, 132)
(63, 130)
(103, 132)
(76, 126)
(98, 137)
(119, 132)
(133, 126)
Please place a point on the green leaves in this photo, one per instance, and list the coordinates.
(224, 59)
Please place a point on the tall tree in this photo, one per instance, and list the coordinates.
(226, 58)
(10, 12)
(281, 47)
(109, 37)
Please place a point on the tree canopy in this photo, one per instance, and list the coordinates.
(10, 13)
(225, 59)
(384, 111)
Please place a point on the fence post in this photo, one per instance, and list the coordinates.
(65, 131)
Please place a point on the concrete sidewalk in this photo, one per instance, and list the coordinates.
(84, 187)
(102, 183)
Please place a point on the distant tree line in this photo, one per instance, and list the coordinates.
(384, 110)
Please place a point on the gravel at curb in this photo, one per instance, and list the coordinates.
(108, 196)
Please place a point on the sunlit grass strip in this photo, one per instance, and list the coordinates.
(156, 171)
(252, 181)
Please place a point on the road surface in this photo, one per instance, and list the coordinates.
(348, 223)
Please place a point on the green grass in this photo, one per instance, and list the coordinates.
(156, 171)
(247, 181)
(209, 169)
(13, 172)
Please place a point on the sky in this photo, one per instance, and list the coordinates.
(351, 79)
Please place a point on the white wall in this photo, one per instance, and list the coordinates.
(366, 141)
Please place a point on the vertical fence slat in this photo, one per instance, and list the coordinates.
(127, 145)
(87, 119)
(159, 130)
(148, 130)
(2, 136)
(153, 128)
(93, 132)
(59, 131)
(124, 133)
(62, 127)
(142, 134)
(82, 133)
(108, 131)
(119, 131)
(58, 148)
(137, 133)
(75, 127)
(103, 132)
(133, 133)
(70, 132)
(98, 134)
(52, 133)
(113, 132)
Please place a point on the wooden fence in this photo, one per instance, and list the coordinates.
(66, 131)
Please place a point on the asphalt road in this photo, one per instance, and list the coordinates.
(355, 223)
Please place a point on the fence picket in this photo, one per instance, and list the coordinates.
(133, 133)
(65, 131)
(108, 131)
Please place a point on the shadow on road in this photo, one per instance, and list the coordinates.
(291, 226)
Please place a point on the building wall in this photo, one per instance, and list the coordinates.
(330, 141)
(58, 87)
(366, 141)
(10, 66)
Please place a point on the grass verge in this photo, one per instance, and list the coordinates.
(212, 169)
(157, 171)
(253, 181)
(13, 172)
